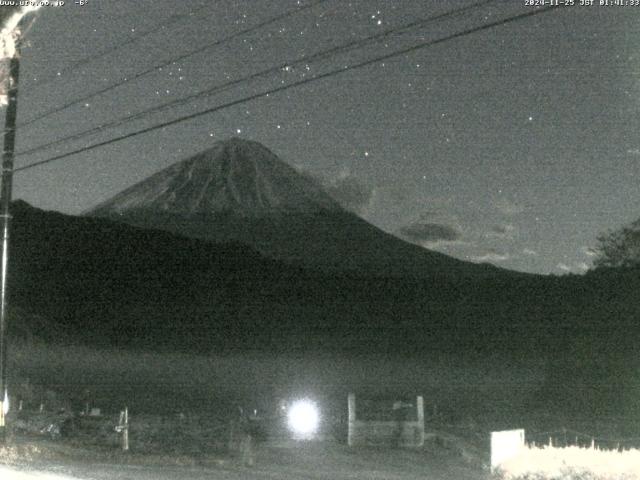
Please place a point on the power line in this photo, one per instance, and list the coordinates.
(221, 87)
(305, 59)
(86, 60)
(170, 62)
(292, 85)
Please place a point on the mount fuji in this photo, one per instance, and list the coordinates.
(240, 191)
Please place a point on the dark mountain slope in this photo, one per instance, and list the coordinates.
(109, 283)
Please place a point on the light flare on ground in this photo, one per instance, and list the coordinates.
(8, 473)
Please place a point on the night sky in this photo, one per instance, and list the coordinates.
(515, 145)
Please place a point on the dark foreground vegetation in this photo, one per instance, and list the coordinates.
(94, 283)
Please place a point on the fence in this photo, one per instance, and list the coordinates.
(91, 425)
(215, 433)
(386, 422)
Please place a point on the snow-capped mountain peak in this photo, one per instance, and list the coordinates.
(234, 176)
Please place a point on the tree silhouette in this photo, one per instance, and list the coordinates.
(619, 248)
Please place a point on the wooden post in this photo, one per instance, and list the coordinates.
(351, 400)
(125, 432)
(420, 415)
(231, 435)
(246, 448)
(123, 428)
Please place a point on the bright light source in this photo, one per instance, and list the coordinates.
(5, 404)
(505, 445)
(303, 418)
(9, 34)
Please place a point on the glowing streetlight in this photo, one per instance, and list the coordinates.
(303, 419)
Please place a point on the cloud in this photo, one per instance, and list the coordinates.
(426, 232)
(433, 215)
(491, 256)
(580, 267)
(346, 189)
(501, 231)
(434, 228)
(508, 207)
(589, 251)
(349, 192)
(528, 251)
(634, 151)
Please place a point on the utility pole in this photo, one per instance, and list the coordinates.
(5, 217)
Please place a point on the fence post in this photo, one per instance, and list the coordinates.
(420, 415)
(125, 433)
(352, 419)
(123, 428)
